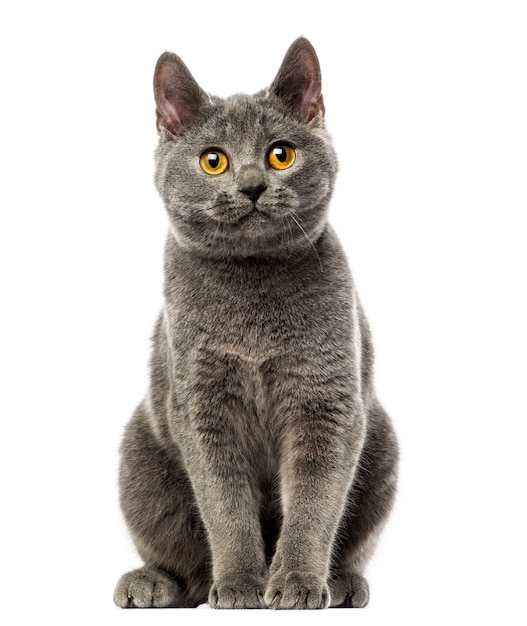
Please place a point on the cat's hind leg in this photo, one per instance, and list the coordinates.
(349, 591)
(370, 501)
(159, 507)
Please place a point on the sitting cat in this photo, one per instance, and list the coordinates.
(260, 468)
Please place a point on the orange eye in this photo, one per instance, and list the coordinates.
(281, 156)
(213, 162)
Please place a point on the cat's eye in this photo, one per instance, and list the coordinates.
(281, 156)
(213, 162)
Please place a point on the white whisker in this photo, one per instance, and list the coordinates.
(297, 222)
(291, 239)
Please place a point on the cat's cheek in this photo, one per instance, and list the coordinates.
(314, 192)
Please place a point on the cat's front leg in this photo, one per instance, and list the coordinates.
(320, 450)
(221, 473)
(230, 514)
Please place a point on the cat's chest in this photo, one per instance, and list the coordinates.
(256, 310)
(250, 308)
(253, 319)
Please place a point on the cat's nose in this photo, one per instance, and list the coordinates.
(251, 182)
(254, 192)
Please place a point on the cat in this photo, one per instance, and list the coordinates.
(260, 468)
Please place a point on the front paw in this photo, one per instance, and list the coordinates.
(238, 592)
(297, 590)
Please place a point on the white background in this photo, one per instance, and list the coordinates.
(427, 103)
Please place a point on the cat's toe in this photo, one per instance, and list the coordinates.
(238, 592)
(349, 591)
(148, 588)
(297, 590)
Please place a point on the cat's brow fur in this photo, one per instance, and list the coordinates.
(260, 468)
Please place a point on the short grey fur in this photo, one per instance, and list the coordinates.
(260, 468)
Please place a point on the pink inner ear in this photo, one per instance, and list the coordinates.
(169, 111)
(312, 101)
(310, 96)
(166, 97)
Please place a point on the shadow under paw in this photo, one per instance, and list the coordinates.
(146, 588)
(349, 591)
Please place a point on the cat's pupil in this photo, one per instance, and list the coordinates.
(214, 160)
(280, 154)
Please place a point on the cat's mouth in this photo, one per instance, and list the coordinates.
(254, 213)
(253, 221)
(250, 217)
(255, 218)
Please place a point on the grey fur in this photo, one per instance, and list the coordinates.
(260, 468)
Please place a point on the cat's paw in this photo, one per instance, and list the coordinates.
(238, 592)
(349, 590)
(297, 590)
(146, 588)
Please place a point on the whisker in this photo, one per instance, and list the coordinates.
(297, 222)
(218, 240)
(291, 239)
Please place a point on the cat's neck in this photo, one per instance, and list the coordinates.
(305, 251)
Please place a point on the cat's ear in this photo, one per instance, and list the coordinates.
(178, 96)
(299, 83)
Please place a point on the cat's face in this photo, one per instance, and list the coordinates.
(246, 174)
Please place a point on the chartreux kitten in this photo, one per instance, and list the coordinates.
(260, 468)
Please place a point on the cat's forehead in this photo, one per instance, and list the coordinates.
(246, 119)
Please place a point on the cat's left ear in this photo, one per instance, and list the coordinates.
(299, 83)
(178, 96)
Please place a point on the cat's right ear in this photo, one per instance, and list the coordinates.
(178, 96)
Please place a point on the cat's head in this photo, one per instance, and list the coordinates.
(245, 175)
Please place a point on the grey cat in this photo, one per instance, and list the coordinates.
(260, 468)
